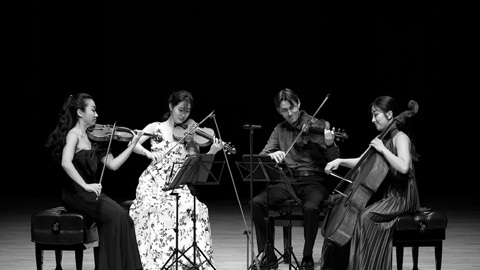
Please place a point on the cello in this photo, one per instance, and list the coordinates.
(364, 179)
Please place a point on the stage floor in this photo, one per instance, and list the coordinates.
(229, 221)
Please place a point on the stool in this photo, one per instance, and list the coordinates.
(425, 228)
(290, 214)
(58, 229)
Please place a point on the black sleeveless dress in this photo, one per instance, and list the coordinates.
(370, 247)
(118, 247)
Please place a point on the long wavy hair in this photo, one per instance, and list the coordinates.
(67, 119)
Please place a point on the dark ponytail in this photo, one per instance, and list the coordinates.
(67, 119)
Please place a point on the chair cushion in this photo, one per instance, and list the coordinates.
(61, 227)
(422, 221)
(424, 228)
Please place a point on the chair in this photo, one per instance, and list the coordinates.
(58, 229)
(126, 204)
(424, 228)
(289, 215)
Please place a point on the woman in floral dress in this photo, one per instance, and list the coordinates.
(154, 210)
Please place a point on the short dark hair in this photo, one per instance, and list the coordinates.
(286, 95)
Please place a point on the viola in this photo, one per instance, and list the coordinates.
(364, 179)
(201, 135)
(102, 133)
(310, 128)
(340, 134)
(309, 120)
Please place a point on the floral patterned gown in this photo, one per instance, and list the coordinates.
(154, 214)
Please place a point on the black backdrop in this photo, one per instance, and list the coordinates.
(233, 56)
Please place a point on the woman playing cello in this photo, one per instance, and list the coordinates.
(370, 246)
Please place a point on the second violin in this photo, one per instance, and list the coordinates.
(202, 136)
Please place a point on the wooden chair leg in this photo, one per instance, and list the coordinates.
(58, 259)
(39, 256)
(438, 256)
(79, 258)
(415, 257)
(399, 257)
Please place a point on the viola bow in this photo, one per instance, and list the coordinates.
(289, 187)
(310, 121)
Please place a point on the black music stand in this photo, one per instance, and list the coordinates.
(195, 170)
(264, 169)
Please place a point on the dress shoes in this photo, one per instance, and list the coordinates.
(272, 262)
(307, 263)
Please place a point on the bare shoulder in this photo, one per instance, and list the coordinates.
(401, 138)
(73, 134)
(150, 128)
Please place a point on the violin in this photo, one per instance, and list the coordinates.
(102, 133)
(202, 136)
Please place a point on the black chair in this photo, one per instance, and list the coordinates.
(58, 229)
(289, 215)
(425, 228)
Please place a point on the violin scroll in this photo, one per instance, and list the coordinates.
(340, 135)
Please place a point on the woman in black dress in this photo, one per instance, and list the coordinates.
(80, 159)
(370, 247)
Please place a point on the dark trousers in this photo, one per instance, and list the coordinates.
(310, 190)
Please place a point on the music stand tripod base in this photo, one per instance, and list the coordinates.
(195, 170)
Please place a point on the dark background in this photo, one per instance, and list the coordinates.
(234, 56)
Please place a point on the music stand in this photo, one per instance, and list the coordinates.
(193, 171)
(264, 169)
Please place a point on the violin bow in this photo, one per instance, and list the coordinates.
(311, 117)
(108, 150)
(189, 132)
